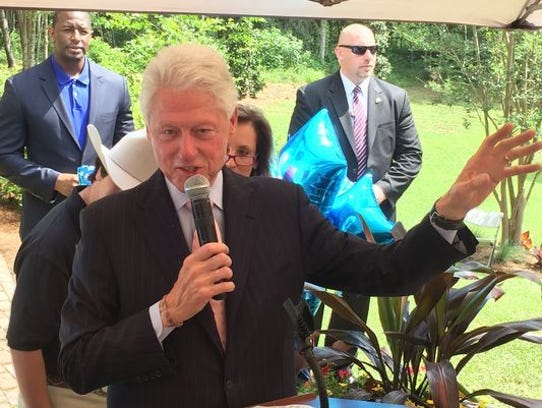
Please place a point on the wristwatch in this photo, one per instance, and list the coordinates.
(444, 223)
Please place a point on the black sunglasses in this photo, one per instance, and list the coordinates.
(361, 49)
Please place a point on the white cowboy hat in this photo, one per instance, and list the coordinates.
(130, 162)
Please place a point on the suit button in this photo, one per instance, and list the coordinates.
(228, 384)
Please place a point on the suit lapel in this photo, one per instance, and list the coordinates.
(160, 228)
(337, 97)
(50, 88)
(97, 89)
(375, 97)
(240, 221)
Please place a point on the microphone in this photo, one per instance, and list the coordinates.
(197, 188)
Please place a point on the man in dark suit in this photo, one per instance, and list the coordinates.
(140, 314)
(44, 113)
(391, 150)
(394, 151)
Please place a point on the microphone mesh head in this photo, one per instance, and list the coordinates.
(197, 186)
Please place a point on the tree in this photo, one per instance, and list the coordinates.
(33, 33)
(323, 39)
(497, 74)
(6, 39)
(237, 38)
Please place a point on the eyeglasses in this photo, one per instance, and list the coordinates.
(361, 49)
(241, 160)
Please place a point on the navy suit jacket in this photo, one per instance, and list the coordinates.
(129, 256)
(37, 140)
(395, 154)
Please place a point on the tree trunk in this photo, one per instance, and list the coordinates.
(7, 40)
(32, 25)
(323, 39)
(24, 20)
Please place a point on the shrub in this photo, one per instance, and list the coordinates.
(276, 50)
(10, 194)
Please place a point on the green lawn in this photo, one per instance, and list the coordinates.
(514, 368)
(446, 144)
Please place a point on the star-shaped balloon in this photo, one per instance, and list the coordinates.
(313, 158)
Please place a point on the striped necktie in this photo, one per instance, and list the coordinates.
(360, 131)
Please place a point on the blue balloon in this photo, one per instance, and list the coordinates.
(313, 158)
(358, 198)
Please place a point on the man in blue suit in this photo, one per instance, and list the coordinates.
(44, 113)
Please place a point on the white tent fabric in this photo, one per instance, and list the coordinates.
(491, 13)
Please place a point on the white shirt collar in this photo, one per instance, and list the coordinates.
(349, 89)
(180, 198)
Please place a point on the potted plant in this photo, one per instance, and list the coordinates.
(416, 368)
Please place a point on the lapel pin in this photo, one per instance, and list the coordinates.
(378, 99)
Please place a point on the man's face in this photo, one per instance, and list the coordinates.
(189, 133)
(71, 36)
(356, 67)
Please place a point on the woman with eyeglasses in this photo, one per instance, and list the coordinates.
(249, 147)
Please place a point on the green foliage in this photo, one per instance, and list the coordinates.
(432, 342)
(5, 73)
(294, 75)
(276, 50)
(241, 54)
(125, 43)
(117, 29)
(10, 194)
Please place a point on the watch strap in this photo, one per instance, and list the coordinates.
(444, 223)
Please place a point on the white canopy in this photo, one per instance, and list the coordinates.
(491, 13)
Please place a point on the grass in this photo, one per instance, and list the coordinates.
(447, 144)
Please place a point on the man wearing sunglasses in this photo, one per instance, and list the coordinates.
(373, 122)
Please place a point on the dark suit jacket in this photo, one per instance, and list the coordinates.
(395, 153)
(129, 256)
(34, 121)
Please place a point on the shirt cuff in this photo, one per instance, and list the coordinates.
(160, 331)
(448, 235)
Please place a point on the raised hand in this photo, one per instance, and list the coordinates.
(486, 169)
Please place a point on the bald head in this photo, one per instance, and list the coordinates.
(354, 32)
(354, 65)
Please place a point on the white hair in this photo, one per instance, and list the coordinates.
(184, 66)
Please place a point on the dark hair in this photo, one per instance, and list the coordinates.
(264, 136)
(57, 14)
(98, 166)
